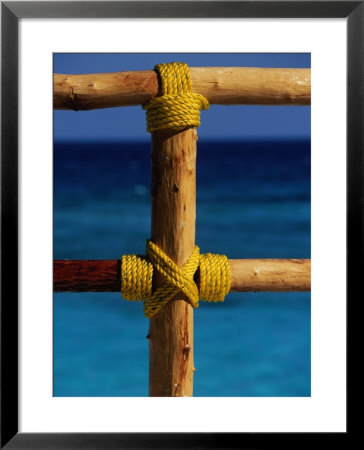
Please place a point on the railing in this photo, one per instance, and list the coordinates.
(220, 85)
(247, 275)
(173, 210)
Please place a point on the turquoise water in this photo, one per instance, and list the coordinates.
(253, 201)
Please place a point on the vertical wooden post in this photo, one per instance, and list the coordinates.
(173, 195)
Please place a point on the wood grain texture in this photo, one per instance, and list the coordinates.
(86, 276)
(247, 275)
(270, 275)
(173, 195)
(220, 85)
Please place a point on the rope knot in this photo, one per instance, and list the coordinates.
(177, 107)
(137, 275)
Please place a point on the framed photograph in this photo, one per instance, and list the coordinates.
(252, 201)
(274, 180)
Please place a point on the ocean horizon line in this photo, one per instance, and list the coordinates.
(201, 140)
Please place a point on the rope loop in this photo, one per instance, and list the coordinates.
(137, 277)
(215, 277)
(177, 107)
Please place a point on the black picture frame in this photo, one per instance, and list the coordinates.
(11, 12)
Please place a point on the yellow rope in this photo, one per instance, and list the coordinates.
(177, 107)
(137, 275)
(215, 277)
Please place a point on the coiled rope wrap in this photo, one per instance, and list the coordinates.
(137, 276)
(177, 107)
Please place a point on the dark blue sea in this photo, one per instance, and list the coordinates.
(253, 201)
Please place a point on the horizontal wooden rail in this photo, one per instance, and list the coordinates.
(246, 275)
(220, 85)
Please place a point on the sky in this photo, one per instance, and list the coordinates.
(220, 122)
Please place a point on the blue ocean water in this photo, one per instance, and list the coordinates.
(253, 201)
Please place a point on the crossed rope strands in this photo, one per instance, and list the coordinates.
(137, 277)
